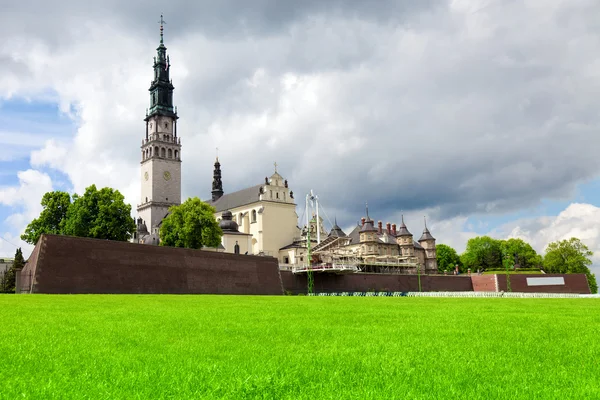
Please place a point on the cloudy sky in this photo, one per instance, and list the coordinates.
(482, 115)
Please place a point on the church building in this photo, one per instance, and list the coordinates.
(261, 219)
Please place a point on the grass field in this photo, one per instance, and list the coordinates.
(295, 347)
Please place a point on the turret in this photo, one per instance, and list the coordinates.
(405, 240)
(217, 185)
(428, 243)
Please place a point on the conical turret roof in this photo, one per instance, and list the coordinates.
(403, 231)
(336, 231)
(426, 234)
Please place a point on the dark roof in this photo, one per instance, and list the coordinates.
(355, 235)
(369, 226)
(426, 235)
(336, 231)
(227, 224)
(237, 199)
(403, 231)
(417, 245)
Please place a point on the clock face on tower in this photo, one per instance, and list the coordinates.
(146, 175)
(167, 175)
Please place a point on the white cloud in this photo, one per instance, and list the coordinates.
(24, 201)
(577, 220)
(455, 108)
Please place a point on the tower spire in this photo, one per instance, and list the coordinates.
(217, 186)
(161, 88)
(161, 22)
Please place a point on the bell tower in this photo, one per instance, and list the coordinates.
(161, 148)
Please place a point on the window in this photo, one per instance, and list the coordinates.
(271, 193)
(286, 260)
(253, 215)
(236, 248)
(163, 152)
(277, 195)
(177, 154)
(170, 153)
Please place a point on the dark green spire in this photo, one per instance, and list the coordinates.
(161, 88)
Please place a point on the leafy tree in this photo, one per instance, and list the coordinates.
(570, 257)
(55, 206)
(191, 225)
(100, 214)
(447, 258)
(9, 278)
(482, 252)
(521, 253)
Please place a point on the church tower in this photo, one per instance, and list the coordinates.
(161, 149)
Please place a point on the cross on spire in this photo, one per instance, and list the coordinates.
(217, 153)
(275, 164)
(161, 22)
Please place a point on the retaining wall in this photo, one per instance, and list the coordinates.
(65, 264)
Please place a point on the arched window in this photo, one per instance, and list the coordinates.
(170, 153)
(236, 248)
(253, 215)
(163, 152)
(277, 194)
(156, 151)
(176, 155)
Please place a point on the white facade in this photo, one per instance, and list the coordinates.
(160, 170)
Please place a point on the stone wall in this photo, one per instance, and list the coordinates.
(80, 265)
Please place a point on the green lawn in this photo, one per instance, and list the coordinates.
(297, 347)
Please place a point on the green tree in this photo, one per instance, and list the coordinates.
(100, 214)
(9, 278)
(570, 257)
(482, 252)
(521, 253)
(447, 258)
(191, 225)
(55, 206)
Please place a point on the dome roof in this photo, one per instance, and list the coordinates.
(227, 224)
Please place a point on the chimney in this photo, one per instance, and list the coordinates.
(379, 231)
(388, 228)
(362, 221)
(394, 229)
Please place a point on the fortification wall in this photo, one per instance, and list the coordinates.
(484, 283)
(80, 265)
(545, 283)
(362, 282)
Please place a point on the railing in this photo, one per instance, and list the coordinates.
(334, 267)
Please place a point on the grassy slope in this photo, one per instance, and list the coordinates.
(297, 347)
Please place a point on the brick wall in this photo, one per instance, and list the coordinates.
(574, 283)
(375, 282)
(484, 283)
(80, 265)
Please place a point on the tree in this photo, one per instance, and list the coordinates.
(570, 257)
(482, 252)
(447, 258)
(191, 225)
(55, 206)
(9, 278)
(521, 253)
(100, 214)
